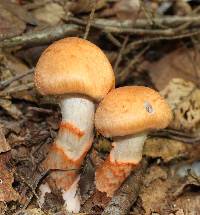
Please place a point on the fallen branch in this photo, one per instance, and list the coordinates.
(166, 21)
(141, 27)
(120, 28)
(182, 35)
(128, 192)
(16, 89)
(41, 37)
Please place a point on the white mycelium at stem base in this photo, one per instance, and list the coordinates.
(70, 147)
(126, 153)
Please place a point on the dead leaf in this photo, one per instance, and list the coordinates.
(176, 91)
(3, 208)
(154, 194)
(188, 203)
(34, 211)
(184, 98)
(185, 185)
(4, 146)
(11, 126)
(82, 6)
(154, 173)
(15, 140)
(86, 179)
(181, 63)
(11, 109)
(12, 67)
(10, 25)
(19, 12)
(182, 8)
(7, 193)
(167, 149)
(102, 144)
(127, 9)
(51, 13)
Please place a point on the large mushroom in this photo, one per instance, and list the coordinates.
(127, 114)
(80, 74)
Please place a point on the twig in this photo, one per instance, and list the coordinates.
(17, 89)
(167, 21)
(119, 57)
(90, 19)
(127, 30)
(40, 110)
(5, 83)
(190, 139)
(136, 43)
(41, 37)
(53, 33)
(115, 41)
(121, 77)
(147, 12)
(127, 193)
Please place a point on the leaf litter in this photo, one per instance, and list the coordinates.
(29, 122)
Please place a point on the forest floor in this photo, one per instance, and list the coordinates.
(150, 43)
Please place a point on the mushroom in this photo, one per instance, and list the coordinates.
(127, 114)
(79, 73)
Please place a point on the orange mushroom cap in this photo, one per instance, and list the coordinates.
(74, 65)
(130, 110)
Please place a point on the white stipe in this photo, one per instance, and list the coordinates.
(128, 149)
(79, 111)
(72, 198)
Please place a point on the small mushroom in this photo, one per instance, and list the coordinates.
(80, 74)
(127, 114)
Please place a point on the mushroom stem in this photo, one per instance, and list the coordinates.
(125, 155)
(71, 145)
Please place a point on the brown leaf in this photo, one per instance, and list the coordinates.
(3, 208)
(127, 9)
(14, 67)
(154, 194)
(81, 6)
(7, 193)
(188, 203)
(167, 149)
(184, 98)
(34, 211)
(182, 63)
(51, 13)
(11, 126)
(10, 25)
(4, 146)
(19, 12)
(11, 109)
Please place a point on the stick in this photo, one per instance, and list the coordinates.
(46, 36)
(127, 193)
(167, 21)
(5, 83)
(91, 17)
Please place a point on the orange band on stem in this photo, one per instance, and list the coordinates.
(110, 176)
(71, 128)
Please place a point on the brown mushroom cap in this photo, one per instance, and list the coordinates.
(130, 110)
(74, 65)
